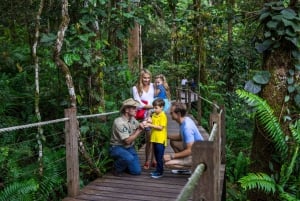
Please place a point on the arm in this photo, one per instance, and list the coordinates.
(156, 90)
(137, 97)
(132, 137)
(182, 154)
(154, 126)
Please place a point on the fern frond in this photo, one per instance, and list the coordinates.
(19, 191)
(287, 169)
(266, 116)
(295, 130)
(259, 181)
(288, 197)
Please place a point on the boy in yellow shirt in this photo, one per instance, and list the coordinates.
(158, 123)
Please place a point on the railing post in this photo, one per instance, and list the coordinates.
(178, 95)
(71, 135)
(207, 188)
(199, 109)
(189, 100)
(215, 118)
(223, 135)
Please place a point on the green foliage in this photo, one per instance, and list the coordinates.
(19, 191)
(258, 181)
(280, 26)
(285, 182)
(266, 116)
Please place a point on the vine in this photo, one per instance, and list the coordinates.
(280, 25)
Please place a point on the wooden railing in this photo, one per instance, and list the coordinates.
(207, 182)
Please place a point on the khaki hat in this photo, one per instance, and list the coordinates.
(130, 103)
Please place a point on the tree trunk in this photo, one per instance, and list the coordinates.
(278, 63)
(134, 48)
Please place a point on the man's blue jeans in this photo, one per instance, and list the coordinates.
(125, 159)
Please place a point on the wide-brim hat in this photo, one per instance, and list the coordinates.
(129, 103)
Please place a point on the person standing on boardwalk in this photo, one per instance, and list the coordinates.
(124, 132)
(162, 90)
(143, 92)
(158, 124)
(182, 143)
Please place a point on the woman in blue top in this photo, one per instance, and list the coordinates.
(162, 90)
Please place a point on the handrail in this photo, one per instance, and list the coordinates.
(213, 133)
(199, 96)
(191, 184)
(42, 123)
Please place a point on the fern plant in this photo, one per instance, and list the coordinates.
(22, 191)
(265, 115)
(284, 184)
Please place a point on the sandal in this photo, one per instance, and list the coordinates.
(146, 165)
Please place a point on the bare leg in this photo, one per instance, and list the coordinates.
(148, 150)
(176, 146)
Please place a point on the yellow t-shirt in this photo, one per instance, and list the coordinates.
(159, 136)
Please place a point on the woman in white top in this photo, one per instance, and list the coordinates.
(144, 91)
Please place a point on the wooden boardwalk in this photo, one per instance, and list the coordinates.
(136, 188)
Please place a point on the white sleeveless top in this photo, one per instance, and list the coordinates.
(147, 96)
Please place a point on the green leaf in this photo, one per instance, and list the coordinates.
(286, 98)
(277, 18)
(267, 34)
(291, 89)
(297, 100)
(252, 87)
(262, 77)
(293, 40)
(272, 24)
(264, 16)
(291, 72)
(291, 24)
(261, 47)
(290, 80)
(260, 181)
(47, 38)
(288, 13)
(290, 32)
(297, 66)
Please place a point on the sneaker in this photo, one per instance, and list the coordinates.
(184, 172)
(153, 173)
(156, 175)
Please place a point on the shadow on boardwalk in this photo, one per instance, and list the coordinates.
(136, 188)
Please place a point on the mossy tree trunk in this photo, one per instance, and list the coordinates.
(278, 63)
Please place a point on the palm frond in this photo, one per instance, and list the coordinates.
(259, 181)
(266, 116)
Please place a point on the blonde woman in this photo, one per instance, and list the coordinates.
(143, 92)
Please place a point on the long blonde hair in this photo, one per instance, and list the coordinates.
(165, 83)
(139, 84)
